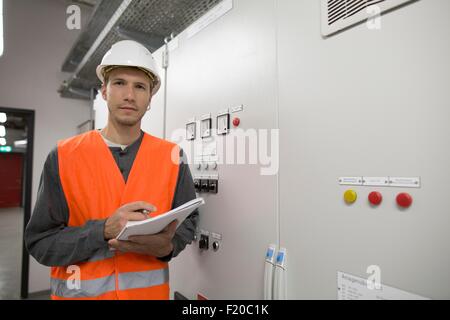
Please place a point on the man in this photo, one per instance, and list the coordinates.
(94, 183)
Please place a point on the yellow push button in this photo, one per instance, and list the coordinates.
(350, 196)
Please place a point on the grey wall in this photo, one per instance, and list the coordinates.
(36, 43)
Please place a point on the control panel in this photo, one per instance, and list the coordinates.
(206, 157)
(209, 240)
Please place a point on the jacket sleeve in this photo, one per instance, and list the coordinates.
(184, 192)
(47, 236)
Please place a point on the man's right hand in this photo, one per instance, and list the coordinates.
(117, 221)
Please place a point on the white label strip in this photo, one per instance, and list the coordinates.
(237, 108)
(381, 181)
(404, 182)
(209, 177)
(350, 287)
(211, 16)
(352, 181)
(216, 236)
(376, 181)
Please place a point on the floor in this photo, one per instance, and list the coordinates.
(11, 226)
(45, 295)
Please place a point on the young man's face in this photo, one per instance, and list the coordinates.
(128, 94)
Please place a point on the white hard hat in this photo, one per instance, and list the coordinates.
(131, 54)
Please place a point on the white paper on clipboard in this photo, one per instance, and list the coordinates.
(157, 224)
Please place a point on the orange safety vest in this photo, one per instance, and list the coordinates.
(94, 189)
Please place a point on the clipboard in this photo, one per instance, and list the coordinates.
(158, 223)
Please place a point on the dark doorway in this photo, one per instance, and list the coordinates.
(16, 171)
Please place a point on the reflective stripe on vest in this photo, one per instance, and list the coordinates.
(134, 280)
(87, 288)
(97, 287)
(94, 189)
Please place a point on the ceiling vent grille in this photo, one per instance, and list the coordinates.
(341, 14)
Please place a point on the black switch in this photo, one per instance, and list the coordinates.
(204, 242)
(197, 185)
(213, 186)
(204, 185)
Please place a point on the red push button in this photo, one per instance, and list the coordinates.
(236, 122)
(375, 198)
(404, 200)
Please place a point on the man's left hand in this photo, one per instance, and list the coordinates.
(158, 245)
